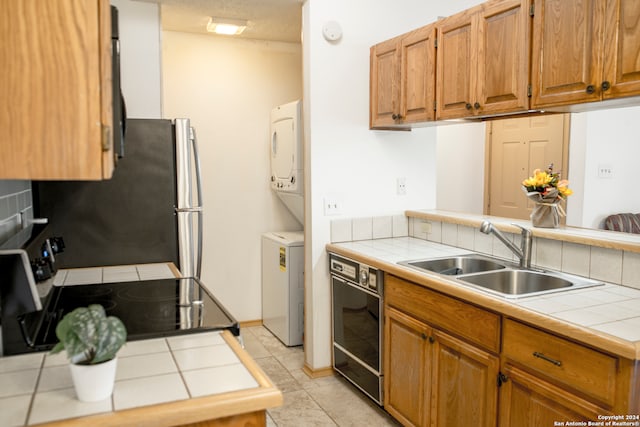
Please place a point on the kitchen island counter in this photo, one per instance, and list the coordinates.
(203, 378)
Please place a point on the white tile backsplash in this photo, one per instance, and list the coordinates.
(603, 264)
(400, 226)
(606, 264)
(631, 269)
(575, 258)
(466, 237)
(382, 227)
(549, 254)
(362, 228)
(341, 230)
(367, 228)
(449, 234)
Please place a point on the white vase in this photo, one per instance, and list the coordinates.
(94, 382)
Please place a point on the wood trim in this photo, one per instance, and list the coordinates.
(174, 269)
(318, 373)
(250, 323)
(106, 85)
(257, 418)
(487, 166)
(584, 236)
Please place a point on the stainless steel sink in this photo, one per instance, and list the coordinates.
(457, 265)
(500, 277)
(519, 283)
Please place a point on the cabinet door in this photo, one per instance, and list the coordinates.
(407, 367)
(457, 56)
(504, 30)
(465, 391)
(418, 72)
(384, 91)
(622, 49)
(566, 53)
(528, 401)
(55, 89)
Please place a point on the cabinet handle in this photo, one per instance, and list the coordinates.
(591, 89)
(476, 105)
(606, 85)
(468, 106)
(547, 358)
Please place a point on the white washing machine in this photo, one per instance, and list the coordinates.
(283, 285)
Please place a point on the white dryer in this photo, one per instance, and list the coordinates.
(287, 171)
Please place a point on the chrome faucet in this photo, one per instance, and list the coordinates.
(523, 252)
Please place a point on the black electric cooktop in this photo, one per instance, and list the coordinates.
(148, 309)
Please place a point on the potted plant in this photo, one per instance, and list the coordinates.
(91, 340)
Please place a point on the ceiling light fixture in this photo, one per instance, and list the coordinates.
(226, 26)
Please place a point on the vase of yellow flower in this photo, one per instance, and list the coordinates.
(547, 191)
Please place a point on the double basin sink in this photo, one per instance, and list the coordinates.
(500, 277)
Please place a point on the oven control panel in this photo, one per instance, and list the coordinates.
(356, 272)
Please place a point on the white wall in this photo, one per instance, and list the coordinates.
(604, 138)
(346, 160)
(140, 57)
(227, 88)
(460, 168)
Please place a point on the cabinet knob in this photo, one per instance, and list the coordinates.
(396, 116)
(591, 89)
(476, 105)
(468, 106)
(606, 85)
(432, 340)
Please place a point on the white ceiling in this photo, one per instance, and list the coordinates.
(278, 20)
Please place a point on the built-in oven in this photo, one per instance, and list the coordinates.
(357, 322)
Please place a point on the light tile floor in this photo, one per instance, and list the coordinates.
(328, 401)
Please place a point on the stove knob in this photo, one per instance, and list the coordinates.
(57, 244)
(41, 269)
(364, 276)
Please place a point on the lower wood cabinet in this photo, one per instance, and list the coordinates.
(528, 401)
(448, 362)
(433, 377)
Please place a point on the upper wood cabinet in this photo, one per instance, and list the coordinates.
(56, 90)
(483, 60)
(585, 51)
(403, 79)
(384, 83)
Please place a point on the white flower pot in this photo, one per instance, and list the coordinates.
(94, 382)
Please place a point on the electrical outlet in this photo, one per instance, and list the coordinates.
(605, 171)
(401, 186)
(332, 206)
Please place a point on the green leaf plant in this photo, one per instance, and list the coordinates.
(89, 336)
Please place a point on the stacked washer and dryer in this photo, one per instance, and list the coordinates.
(283, 251)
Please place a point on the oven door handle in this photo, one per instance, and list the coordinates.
(25, 333)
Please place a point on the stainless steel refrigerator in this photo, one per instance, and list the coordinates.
(150, 211)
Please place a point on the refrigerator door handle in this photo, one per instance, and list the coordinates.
(195, 209)
(198, 209)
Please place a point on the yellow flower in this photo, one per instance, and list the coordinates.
(539, 179)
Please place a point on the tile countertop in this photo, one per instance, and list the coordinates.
(165, 381)
(606, 317)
